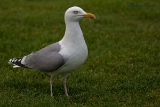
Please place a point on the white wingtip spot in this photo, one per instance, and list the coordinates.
(15, 60)
(9, 62)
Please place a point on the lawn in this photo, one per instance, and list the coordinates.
(123, 66)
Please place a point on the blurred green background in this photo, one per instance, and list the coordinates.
(123, 66)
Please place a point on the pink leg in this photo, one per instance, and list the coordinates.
(51, 83)
(65, 87)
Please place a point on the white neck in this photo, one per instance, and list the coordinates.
(73, 33)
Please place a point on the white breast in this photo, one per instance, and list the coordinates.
(74, 56)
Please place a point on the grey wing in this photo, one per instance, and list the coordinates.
(47, 59)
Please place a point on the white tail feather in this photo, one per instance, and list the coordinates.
(16, 66)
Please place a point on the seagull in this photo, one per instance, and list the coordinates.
(64, 56)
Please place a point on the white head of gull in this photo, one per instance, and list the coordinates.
(63, 57)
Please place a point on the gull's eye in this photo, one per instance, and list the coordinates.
(75, 12)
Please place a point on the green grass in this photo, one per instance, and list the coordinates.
(123, 67)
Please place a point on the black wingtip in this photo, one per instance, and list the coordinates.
(16, 62)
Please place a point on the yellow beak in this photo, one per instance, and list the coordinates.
(89, 15)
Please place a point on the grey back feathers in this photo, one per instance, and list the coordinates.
(47, 59)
